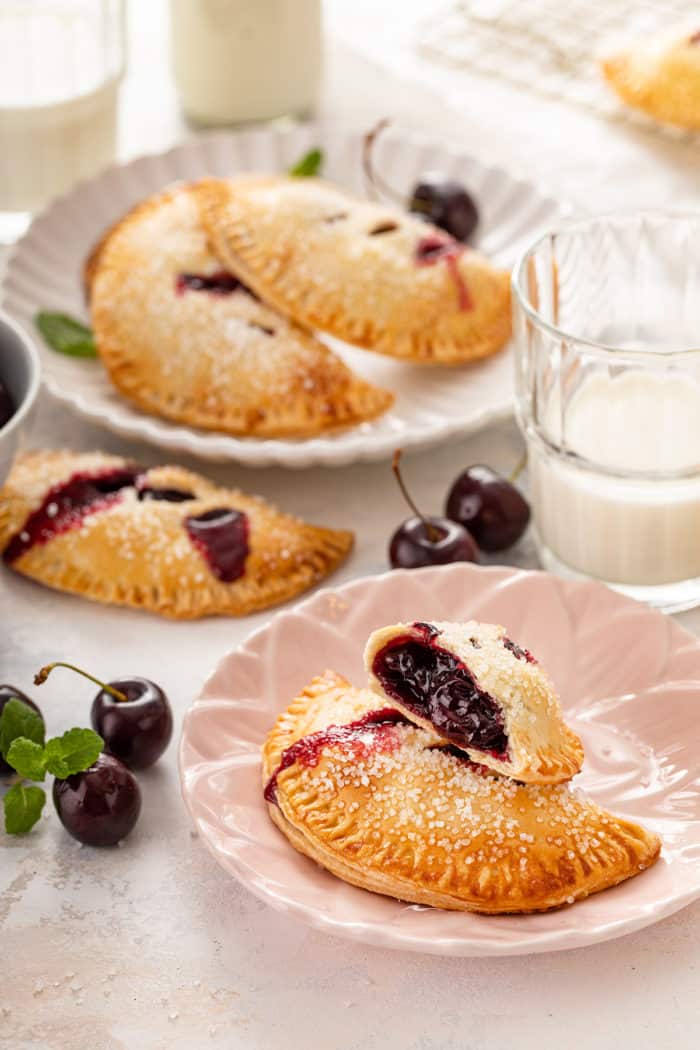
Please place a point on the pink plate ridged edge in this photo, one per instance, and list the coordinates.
(672, 672)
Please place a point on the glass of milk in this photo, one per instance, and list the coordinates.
(61, 62)
(246, 60)
(607, 324)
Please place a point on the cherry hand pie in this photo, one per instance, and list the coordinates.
(184, 338)
(479, 691)
(369, 274)
(382, 804)
(660, 75)
(162, 539)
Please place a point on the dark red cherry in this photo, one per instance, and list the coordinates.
(423, 540)
(137, 730)
(7, 406)
(8, 692)
(221, 535)
(430, 541)
(490, 506)
(446, 204)
(100, 805)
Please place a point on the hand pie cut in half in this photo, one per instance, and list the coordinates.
(184, 339)
(366, 273)
(661, 76)
(479, 691)
(379, 802)
(162, 539)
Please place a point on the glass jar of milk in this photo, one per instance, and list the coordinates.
(607, 325)
(61, 62)
(245, 60)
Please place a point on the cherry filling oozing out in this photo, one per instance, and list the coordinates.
(221, 536)
(518, 652)
(436, 247)
(219, 283)
(374, 733)
(433, 684)
(66, 505)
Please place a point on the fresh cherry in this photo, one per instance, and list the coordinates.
(8, 692)
(490, 506)
(422, 540)
(7, 406)
(133, 717)
(435, 197)
(100, 805)
(446, 204)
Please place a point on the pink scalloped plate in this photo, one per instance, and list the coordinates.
(629, 679)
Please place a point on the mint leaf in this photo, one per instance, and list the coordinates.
(23, 806)
(310, 164)
(19, 719)
(66, 335)
(73, 752)
(27, 758)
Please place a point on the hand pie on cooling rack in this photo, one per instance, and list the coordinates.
(475, 688)
(366, 273)
(184, 339)
(661, 76)
(385, 805)
(162, 539)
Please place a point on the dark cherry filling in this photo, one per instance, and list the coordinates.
(66, 505)
(434, 247)
(219, 283)
(374, 733)
(221, 535)
(169, 495)
(432, 683)
(7, 406)
(519, 652)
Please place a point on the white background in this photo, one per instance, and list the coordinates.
(152, 945)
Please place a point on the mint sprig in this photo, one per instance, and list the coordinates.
(308, 165)
(62, 756)
(19, 719)
(71, 753)
(66, 335)
(23, 806)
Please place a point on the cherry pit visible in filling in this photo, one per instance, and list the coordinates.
(220, 534)
(374, 733)
(434, 684)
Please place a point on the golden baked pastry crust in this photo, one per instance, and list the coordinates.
(224, 362)
(309, 248)
(138, 553)
(542, 749)
(661, 76)
(402, 817)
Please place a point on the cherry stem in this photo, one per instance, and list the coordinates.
(518, 468)
(433, 534)
(44, 673)
(376, 182)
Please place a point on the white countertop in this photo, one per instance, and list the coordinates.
(152, 945)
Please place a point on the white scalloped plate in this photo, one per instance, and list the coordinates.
(629, 679)
(44, 272)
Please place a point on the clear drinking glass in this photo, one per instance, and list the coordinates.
(61, 62)
(607, 323)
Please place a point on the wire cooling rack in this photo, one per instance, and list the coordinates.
(548, 47)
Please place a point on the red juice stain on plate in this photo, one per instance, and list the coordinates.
(374, 733)
(66, 505)
(436, 247)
